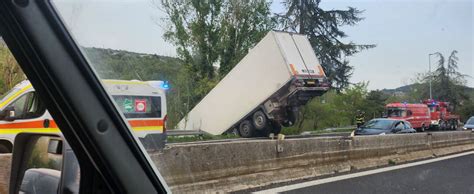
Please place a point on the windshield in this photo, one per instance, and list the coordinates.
(255, 93)
(394, 112)
(7, 95)
(378, 124)
(470, 121)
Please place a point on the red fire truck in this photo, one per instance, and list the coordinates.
(441, 116)
(417, 114)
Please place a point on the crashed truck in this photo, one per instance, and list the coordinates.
(264, 91)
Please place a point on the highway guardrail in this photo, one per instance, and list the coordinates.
(237, 165)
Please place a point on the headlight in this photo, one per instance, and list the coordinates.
(382, 133)
(464, 128)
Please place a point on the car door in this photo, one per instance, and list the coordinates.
(110, 157)
(408, 127)
(398, 127)
(26, 113)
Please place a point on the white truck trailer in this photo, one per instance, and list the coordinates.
(263, 91)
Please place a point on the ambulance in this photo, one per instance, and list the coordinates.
(143, 104)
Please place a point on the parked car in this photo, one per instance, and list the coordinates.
(382, 126)
(469, 124)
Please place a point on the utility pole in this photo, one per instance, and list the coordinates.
(429, 72)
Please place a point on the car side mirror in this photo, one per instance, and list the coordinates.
(8, 114)
(36, 165)
(55, 146)
(43, 163)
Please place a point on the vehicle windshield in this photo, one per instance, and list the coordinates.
(378, 124)
(470, 121)
(396, 112)
(245, 95)
(7, 95)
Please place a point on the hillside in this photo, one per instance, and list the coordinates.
(118, 64)
(407, 88)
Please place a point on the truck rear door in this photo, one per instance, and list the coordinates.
(299, 55)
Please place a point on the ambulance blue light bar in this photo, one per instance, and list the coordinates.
(160, 84)
(165, 85)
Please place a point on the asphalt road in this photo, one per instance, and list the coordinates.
(455, 175)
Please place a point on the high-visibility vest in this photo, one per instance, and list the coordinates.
(359, 119)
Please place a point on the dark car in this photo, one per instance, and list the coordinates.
(469, 124)
(384, 126)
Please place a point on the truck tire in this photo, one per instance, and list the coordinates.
(293, 116)
(276, 127)
(286, 124)
(453, 125)
(259, 120)
(442, 125)
(246, 129)
(423, 128)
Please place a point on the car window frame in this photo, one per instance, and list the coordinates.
(407, 125)
(397, 124)
(33, 95)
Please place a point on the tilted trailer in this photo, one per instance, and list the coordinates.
(263, 91)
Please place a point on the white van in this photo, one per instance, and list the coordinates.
(143, 103)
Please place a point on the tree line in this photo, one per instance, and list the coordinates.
(212, 36)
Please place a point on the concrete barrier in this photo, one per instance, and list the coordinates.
(236, 165)
(231, 166)
(5, 162)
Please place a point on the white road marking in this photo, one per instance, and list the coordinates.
(359, 174)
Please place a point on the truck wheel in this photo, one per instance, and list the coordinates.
(442, 125)
(259, 120)
(276, 127)
(423, 128)
(286, 124)
(246, 129)
(454, 125)
(292, 116)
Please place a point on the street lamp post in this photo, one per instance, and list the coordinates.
(429, 72)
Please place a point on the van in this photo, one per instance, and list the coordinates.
(143, 103)
(417, 114)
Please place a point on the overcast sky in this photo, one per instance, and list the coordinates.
(404, 31)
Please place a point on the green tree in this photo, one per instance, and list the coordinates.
(448, 83)
(335, 109)
(244, 24)
(215, 32)
(10, 71)
(375, 103)
(210, 35)
(324, 33)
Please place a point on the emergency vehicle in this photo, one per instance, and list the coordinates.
(441, 115)
(143, 103)
(417, 114)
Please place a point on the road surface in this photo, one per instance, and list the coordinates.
(452, 174)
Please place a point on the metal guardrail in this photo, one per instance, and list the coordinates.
(178, 132)
(339, 128)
